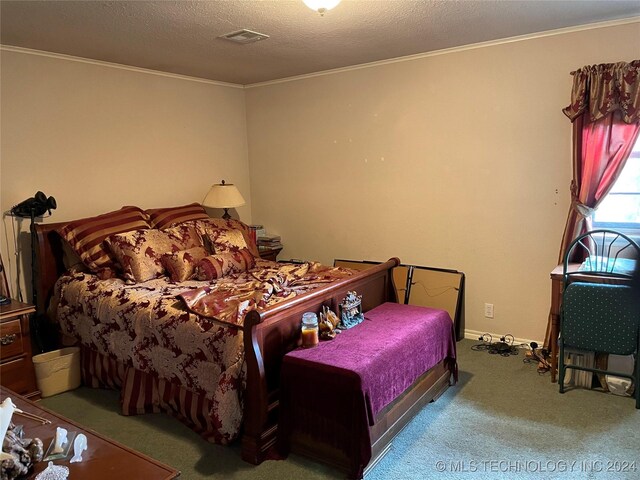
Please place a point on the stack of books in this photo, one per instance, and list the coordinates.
(580, 358)
(269, 242)
(256, 231)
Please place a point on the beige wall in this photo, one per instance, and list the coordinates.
(98, 137)
(459, 160)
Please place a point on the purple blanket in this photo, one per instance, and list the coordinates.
(339, 387)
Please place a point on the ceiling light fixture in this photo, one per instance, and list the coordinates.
(321, 6)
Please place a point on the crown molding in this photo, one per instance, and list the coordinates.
(61, 56)
(445, 51)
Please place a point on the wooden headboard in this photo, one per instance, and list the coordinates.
(50, 265)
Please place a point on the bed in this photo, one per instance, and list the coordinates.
(254, 347)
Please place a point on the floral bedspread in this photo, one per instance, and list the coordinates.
(149, 327)
(230, 298)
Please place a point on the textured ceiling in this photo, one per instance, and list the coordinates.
(181, 36)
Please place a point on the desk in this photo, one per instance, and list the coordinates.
(104, 459)
(556, 304)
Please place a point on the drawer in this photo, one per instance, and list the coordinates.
(18, 375)
(11, 339)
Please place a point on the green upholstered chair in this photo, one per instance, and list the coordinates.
(600, 309)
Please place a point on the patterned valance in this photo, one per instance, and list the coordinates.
(601, 89)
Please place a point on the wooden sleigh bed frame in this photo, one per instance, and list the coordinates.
(268, 336)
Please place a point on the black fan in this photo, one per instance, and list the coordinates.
(35, 206)
(32, 208)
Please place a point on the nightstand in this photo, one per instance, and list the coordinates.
(16, 366)
(270, 254)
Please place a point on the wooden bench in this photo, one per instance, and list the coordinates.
(345, 400)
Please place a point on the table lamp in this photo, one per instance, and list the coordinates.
(224, 195)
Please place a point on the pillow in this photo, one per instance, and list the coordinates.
(210, 224)
(162, 218)
(86, 236)
(218, 266)
(221, 240)
(140, 252)
(181, 265)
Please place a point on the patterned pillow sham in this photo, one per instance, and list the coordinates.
(221, 240)
(162, 218)
(207, 227)
(86, 237)
(220, 265)
(140, 252)
(181, 265)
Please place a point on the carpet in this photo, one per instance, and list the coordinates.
(502, 420)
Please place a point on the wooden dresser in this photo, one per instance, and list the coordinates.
(16, 367)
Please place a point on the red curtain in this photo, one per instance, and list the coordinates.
(601, 149)
(605, 111)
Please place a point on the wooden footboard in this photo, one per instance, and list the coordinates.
(275, 332)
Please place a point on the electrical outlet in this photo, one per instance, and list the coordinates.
(488, 310)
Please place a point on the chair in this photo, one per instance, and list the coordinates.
(600, 309)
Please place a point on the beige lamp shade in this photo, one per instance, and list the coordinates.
(223, 195)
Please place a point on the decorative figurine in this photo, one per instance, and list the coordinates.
(21, 452)
(351, 311)
(60, 441)
(18, 454)
(6, 412)
(79, 446)
(328, 324)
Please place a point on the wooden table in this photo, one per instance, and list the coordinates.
(103, 459)
(556, 304)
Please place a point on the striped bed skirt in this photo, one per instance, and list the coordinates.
(146, 393)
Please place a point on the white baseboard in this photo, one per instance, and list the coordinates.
(475, 334)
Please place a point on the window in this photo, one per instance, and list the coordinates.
(621, 207)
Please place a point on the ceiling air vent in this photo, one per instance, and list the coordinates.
(244, 36)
